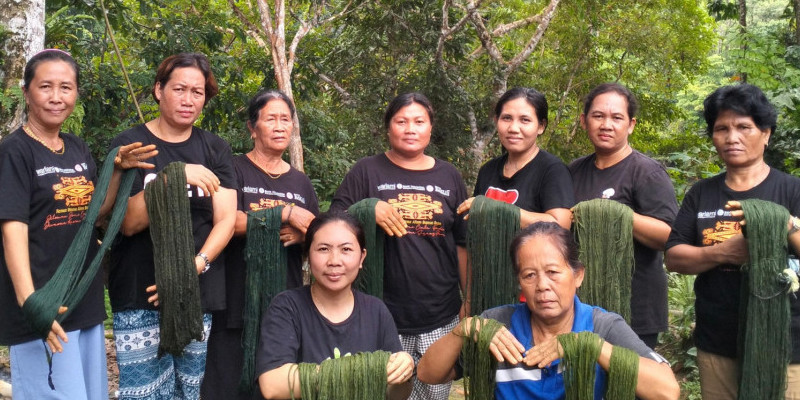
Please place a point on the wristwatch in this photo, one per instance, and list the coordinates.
(795, 224)
(208, 263)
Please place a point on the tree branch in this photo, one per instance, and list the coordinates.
(485, 36)
(347, 98)
(252, 30)
(505, 28)
(547, 16)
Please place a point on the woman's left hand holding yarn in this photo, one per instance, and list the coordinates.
(400, 368)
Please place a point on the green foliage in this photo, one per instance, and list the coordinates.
(676, 344)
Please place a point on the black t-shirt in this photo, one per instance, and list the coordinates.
(542, 184)
(421, 279)
(132, 268)
(255, 191)
(703, 221)
(294, 331)
(642, 184)
(50, 193)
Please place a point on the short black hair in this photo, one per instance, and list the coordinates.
(261, 99)
(743, 99)
(403, 100)
(532, 96)
(49, 55)
(633, 104)
(186, 60)
(330, 217)
(562, 239)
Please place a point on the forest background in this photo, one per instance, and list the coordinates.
(343, 60)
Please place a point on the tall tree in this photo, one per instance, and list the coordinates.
(271, 28)
(743, 29)
(24, 22)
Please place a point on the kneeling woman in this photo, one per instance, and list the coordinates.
(545, 259)
(328, 318)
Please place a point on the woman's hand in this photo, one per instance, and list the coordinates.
(291, 235)
(203, 178)
(400, 368)
(133, 156)
(504, 346)
(389, 219)
(298, 218)
(464, 207)
(57, 335)
(543, 354)
(154, 298)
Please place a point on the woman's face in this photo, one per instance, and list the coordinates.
(547, 281)
(335, 256)
(52, 94)
(181, 99)
(608, 123)
(410, 130)
(738, 140)
(273, 128)
(518, 127)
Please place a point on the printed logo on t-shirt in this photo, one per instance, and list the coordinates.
(268, 192)
(722, 231)
(264, 203)
(190, 190)
(403, 186)
(506, 196)
(75, 193)
(608, 193)
(418, 210)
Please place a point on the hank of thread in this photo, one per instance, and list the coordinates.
(370, 278)
(479, 363)
(623, 374)
(764, 325)
(181, 315)
(604, 232)
(581, 351)
(265, 257)
(361, 376)
(491, 227)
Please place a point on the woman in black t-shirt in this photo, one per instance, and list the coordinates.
(532, 179)
(329, 318)
(263, 180)
(183, 85)
(48, 179)
(707, 238)
(424, 256)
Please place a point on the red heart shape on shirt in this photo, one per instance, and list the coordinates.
(506, 196)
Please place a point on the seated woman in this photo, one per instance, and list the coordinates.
(313, 323)
(545, 259)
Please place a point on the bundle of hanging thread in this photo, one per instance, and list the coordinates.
(370, 278)
(604, 233)
(70, 281)
(580, 368)
(361, 376)
(764, 331)
(491, 227)
(181, 315)
(479, 363)
(265, 256)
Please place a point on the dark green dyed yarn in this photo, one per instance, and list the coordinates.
(70, 281)
(581, 351)
(266, 277)
(180, 312)
(370, 278)
(765, 344)
(479, 363)
(358, 377)
(623, 374)
(491, 227)
(604, 231)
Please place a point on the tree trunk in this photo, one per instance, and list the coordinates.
(796, 4)
(743, 30)
(24, 20)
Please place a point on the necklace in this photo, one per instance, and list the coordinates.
(254, 157)
(29, 131)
